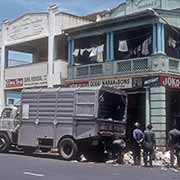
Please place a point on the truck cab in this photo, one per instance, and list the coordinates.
(9, 125)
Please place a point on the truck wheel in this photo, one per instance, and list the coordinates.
(68, 149)
(4, 143)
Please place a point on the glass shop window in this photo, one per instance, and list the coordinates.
(172, 44)
(90, 50)
(133, 43)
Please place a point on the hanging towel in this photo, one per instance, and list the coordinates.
(123, 47)
(76, 52)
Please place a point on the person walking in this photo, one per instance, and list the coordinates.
(138, 137)
(149, 144)
(174, 144)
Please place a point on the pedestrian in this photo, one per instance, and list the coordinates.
(119, 146)
(174, 144)
(149, 144)
(137, 143)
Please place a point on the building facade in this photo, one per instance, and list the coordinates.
(136, 51)
(131, 47)
(33, 52)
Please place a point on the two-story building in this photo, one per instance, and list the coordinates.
(33, 52)
(135, 48)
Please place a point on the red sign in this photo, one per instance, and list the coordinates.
(14, 83)
(171, 82)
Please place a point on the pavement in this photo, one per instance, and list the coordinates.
(17, 166)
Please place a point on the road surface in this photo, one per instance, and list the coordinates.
(20, 167)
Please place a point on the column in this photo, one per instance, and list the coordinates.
(158, 113)
(71, 45)
(147, 113)
(3, 62)
(51, 44)
(158, 39)
(110, 46)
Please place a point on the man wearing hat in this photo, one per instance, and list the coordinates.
(137, 143)
(149, 144)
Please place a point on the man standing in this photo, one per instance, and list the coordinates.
(149, 145)
(137, 140)
(174, 144)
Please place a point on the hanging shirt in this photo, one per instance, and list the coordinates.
(82, 51)
(93, 52)
(76, 52)
(172, 42)
(123, 47)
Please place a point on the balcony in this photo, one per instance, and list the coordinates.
(140, 66)
(26, 70)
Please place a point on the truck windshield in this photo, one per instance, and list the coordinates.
(112, 106)
(6, 113)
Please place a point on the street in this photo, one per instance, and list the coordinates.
(19, 167)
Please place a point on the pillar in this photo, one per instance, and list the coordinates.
(158, 38)
(158, 113)
(147, 113)
(110, 46)
(51, 44)
(3, 63)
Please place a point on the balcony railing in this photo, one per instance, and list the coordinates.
(110, 68)
(132, 65)
(174, 65)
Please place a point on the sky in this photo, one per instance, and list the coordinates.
(11, 9)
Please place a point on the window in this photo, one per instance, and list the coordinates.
(10, 101)
(16, 58)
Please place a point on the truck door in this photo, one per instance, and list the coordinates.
(85, 113)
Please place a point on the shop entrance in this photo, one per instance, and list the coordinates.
(172, 108)
(135, 113)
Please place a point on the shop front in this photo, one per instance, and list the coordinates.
(136, 97)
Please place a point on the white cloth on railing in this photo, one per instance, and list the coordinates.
(93, 52)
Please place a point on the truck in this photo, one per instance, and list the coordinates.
(74, 121)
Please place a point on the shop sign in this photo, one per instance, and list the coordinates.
(123, 83)
(151, 82)
(14, 83)
(137, 82)
(35, 81)
(171, 82)
(77, 84)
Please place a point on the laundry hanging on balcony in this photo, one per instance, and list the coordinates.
(76, 52)
(172, 42)
(123, 47)
(145, 46)
(100, 50)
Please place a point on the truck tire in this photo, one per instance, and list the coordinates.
(4, 143)
(68, 149)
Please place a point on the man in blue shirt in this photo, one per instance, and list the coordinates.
(138, 137)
